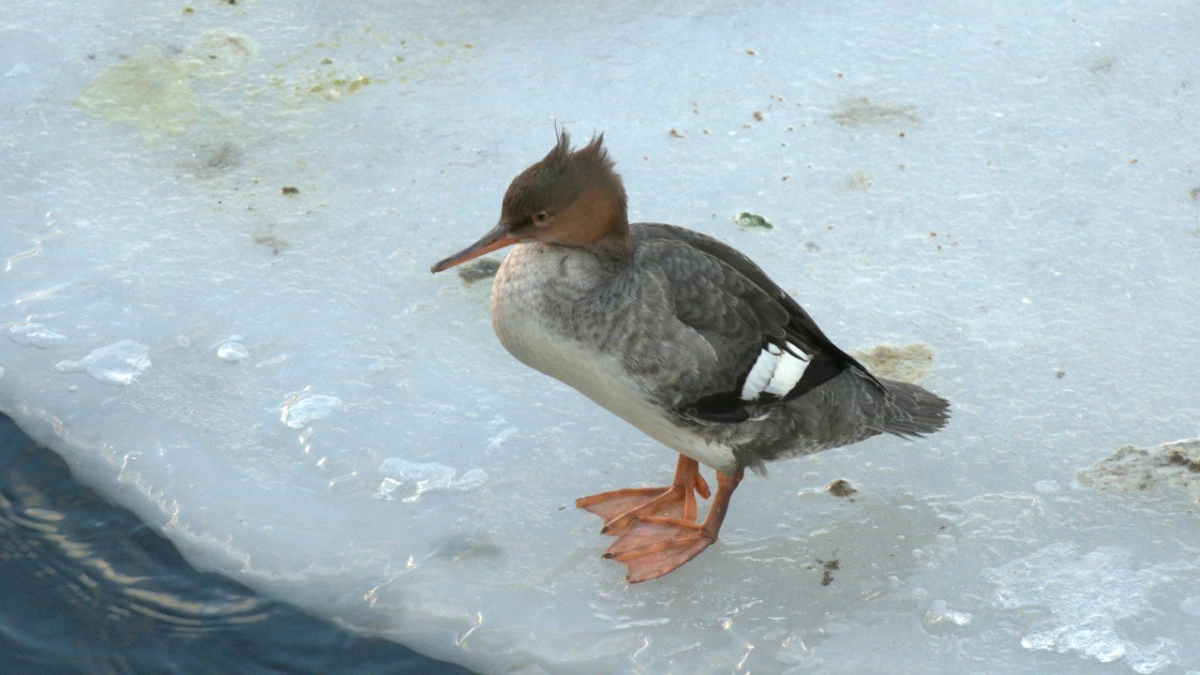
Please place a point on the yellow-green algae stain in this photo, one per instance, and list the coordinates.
(344, 64)
(333, 87)
(146, 90)
(907, 364)
(221, 54)
(747, 220)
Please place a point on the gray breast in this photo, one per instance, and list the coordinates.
(543, 296)
(567, 314)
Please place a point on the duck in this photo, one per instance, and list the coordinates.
(681, 336)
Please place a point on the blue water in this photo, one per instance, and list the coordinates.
(85, 587)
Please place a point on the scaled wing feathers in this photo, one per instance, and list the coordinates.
(768, 349)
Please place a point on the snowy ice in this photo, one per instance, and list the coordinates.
(249, 196)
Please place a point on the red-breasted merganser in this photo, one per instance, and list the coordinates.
(679, 335)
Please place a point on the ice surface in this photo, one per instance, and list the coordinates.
(249, 196)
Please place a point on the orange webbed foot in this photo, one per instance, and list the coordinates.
(619, 508)
(650, 545)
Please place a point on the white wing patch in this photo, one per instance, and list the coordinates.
(775, 372)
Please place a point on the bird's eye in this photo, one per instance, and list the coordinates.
(540, 218)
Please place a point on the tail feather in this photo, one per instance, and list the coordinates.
(911, 411)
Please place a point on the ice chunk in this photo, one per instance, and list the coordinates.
(501, 438)
(412, 479)
(1046, 487)
(1083, 601)
(231, 350)
(1191, 605)
(33, 334)
(940, 619)
(1151, 658)
(302, 409)
(120, 363)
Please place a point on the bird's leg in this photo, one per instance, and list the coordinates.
(619, 508)
(652, 547)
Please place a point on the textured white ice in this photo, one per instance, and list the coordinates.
(273, 379)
